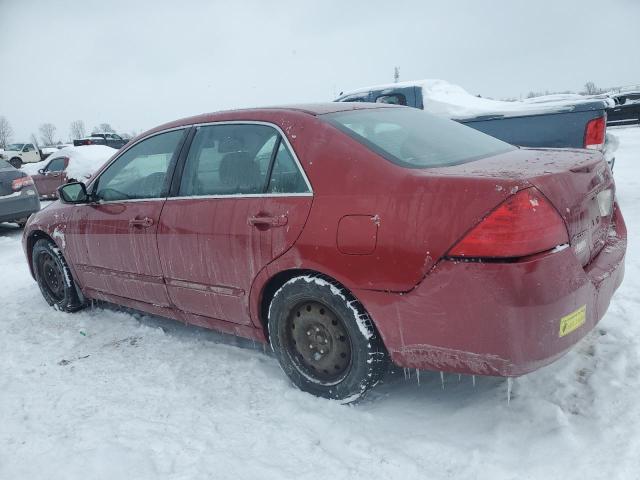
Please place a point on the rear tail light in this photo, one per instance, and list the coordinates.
(524, 224)
(594, 133)
(19, 183)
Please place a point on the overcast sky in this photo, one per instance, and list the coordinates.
(140, 63)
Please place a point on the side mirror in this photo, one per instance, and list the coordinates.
(74, 192)
(41, 171)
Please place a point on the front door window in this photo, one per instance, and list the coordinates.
(141, 171)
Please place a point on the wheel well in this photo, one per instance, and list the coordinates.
(277, 281)
(269, 290)
(31, 240)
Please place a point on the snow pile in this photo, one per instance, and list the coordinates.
(49, 150)
(32, 168)
(447, 99)
(86, 160)
(104, 394)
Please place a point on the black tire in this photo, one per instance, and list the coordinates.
(16, 162)
(353, 357)
(54, 277)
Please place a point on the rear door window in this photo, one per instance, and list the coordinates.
(285, 175)
(239, 159)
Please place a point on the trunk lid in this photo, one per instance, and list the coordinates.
(578, 183)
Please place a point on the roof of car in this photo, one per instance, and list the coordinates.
(247, 113)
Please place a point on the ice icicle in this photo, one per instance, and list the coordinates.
(473, 380)
(418, 376)
(442, 379)
(509, 387)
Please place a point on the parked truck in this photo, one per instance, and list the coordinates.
(19, 153)
(112, 140)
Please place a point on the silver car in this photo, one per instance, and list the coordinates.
(18, 195)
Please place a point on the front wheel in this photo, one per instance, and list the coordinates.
(15, 162)
(54, 277)
(324, 340)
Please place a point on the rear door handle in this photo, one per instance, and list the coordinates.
(141, 222)
(268, 222)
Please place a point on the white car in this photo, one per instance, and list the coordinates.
(18, 153)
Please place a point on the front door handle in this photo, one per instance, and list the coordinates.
(268, 222)
(141, 222)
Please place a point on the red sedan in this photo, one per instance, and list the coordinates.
(347, 236)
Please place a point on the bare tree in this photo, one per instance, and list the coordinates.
(103, 128)
(77, 130)
(591, 89)
(34, 139)
(6, 132)
(47, 133)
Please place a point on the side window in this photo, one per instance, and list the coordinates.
(141, 171)
(393, 99)
(286, 176)
(358, 97)
(28, 148)
(228, 160)
(55, 165)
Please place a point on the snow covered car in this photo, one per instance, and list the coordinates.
(18, 154)
(18, 197)
(345, 235)
(76, 163)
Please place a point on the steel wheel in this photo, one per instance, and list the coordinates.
(318, 342)
(52, 276)
(324, 339)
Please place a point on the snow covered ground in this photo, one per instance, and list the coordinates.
(104, 394)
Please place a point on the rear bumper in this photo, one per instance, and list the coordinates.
(498, 318)
(18, 207)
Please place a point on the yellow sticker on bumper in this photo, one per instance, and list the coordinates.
(573, 321)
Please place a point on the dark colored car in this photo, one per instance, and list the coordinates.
(626, 110)
(345, 235)
(18, 196)
(112, 140)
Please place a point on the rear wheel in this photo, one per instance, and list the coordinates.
(16, 162)
(324, 340)
(54, 277)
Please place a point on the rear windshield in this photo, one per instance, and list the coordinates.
(413, 138)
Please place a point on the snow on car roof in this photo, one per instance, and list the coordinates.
(447, 99)
(84, 161)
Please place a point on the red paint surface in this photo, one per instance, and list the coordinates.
(203, 261)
